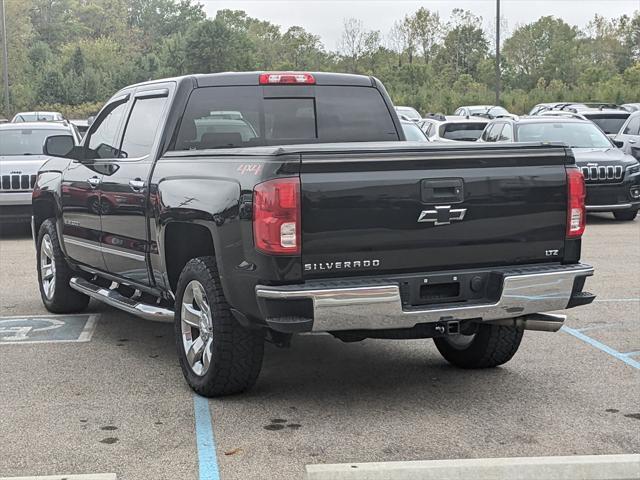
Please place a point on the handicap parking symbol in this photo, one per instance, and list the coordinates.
(47, 328)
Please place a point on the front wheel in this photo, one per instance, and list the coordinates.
(54, 274)
(625, 215)
(218, 356)
(490, 346)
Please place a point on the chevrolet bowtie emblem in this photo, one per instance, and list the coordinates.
(442, 215)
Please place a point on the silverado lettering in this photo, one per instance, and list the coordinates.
(341, 265)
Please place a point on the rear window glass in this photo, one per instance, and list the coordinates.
(608, 123)
(227, 117)
(353, 114)
(462, 131)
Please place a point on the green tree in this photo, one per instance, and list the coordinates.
(465, 44)
(212, 46)
(546, 48)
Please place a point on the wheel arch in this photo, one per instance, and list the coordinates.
(183, 241)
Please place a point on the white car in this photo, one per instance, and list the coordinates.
(453, 128)
(37, 117)
(487, 111)
(408, 113)
(21, 157)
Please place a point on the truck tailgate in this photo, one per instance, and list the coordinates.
(393, 209)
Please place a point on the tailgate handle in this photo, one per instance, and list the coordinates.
(442, 190)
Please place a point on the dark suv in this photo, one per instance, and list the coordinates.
(611, 175)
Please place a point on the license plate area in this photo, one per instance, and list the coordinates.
(476, 287)
(439, 291)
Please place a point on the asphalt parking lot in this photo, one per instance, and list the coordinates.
(116, 402)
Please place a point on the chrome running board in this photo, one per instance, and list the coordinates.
(117, 300)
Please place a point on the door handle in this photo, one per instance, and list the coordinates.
(442, 190)
(94, 181)
(632, 141)
(137, 185)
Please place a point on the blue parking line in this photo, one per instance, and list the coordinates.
(601, 346)
(207, 457)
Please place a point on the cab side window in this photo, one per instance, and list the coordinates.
(494, 133)
(506, 135)
(142, 126)
(490, 132)
(103, 136)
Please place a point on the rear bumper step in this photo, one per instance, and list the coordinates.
(376, 306)
(115, 299)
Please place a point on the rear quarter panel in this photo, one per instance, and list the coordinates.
(215, 191)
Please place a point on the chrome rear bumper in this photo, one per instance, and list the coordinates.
(610, 208)
(379, 306)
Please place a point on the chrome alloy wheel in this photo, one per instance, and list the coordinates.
(197, 327)
(47, 267)
(460, 341)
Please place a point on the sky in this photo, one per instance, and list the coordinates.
(325, 17)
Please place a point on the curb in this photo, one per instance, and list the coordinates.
(579, 467)
(89, 476)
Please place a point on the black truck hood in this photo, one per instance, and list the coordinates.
(603, 156)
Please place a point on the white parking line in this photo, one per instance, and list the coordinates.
(89, 476)
(584, 467)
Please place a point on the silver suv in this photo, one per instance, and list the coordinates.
(20, 159)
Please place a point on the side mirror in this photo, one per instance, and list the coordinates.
(618, 143)
(90, 120)
(58, 145)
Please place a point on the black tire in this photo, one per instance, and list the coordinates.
(235, 352)
(61, 298)
(625, 215)
(491, 346)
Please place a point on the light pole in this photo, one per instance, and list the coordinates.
(497, 52)
(5, 58)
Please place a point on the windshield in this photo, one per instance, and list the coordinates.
(462, 131)
(413, 133)
(608, 123)
(409, 112)
(576, 135)
(24, 141)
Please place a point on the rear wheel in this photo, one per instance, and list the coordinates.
(625, 215)
(217, 355)
(490, 346)
(54, 274)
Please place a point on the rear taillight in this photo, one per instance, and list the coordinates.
(576, 193)
(276, 216)
(289, 78)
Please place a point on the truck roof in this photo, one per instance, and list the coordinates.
(252, 78)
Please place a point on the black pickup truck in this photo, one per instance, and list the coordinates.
(246, 207)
